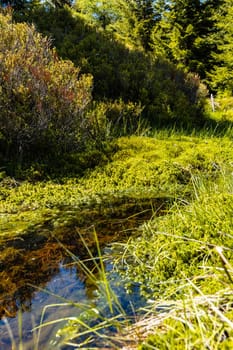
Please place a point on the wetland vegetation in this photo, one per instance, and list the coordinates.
(116, 177)
(163, 203)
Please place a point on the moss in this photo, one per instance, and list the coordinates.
(181, 185)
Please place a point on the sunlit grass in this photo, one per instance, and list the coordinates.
(142, 166)
(174, 257)
(185, 261)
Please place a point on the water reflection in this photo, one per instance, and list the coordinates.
(64, 284)
(67, 294)
(39, 271)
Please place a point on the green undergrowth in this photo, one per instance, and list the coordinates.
(184, 261)
(182, 245)
(142, 167)
(184, 184)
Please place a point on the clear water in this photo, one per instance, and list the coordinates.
(52, 302)
(40, 280)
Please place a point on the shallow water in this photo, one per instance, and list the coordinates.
(65, 284)
(52, 301)
(40, 275)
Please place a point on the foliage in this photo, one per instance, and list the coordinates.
(181, 244)
(190, 26)
(139, 167)
(189, 33)
(116, 118)
(195, 35)
(178, 30)
(103, 13)
(221, 76)
(42, 99)
(223, 108)
(166, 93)
(140, 54)
(184, 182)
(129, 21)
(184, 259)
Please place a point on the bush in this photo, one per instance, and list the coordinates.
(167, 94)
(42, 98)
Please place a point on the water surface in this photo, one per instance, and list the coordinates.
(41, 274)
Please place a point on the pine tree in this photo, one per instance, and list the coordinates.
(145, 19)
(221, 75)
(185, 34)
(61, 3)
(102, 13)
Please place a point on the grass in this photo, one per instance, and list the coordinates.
(184, 260)
(181, 241)
(174, 257)
(196, 321)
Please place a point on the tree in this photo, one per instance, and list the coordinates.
(221, 74)
(102, 13)
(19, 5)
(145, 20)
(185, 34)
(131, 21)
(61, 3)
(122, 70)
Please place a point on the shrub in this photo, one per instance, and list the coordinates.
(42, 98)
(166, 93)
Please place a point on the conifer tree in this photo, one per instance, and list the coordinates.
(221, 75)
(185, 34)
(145, 18)
(19, 5)
(132, 21)
(61, 3)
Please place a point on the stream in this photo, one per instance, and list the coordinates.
(42, 274)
